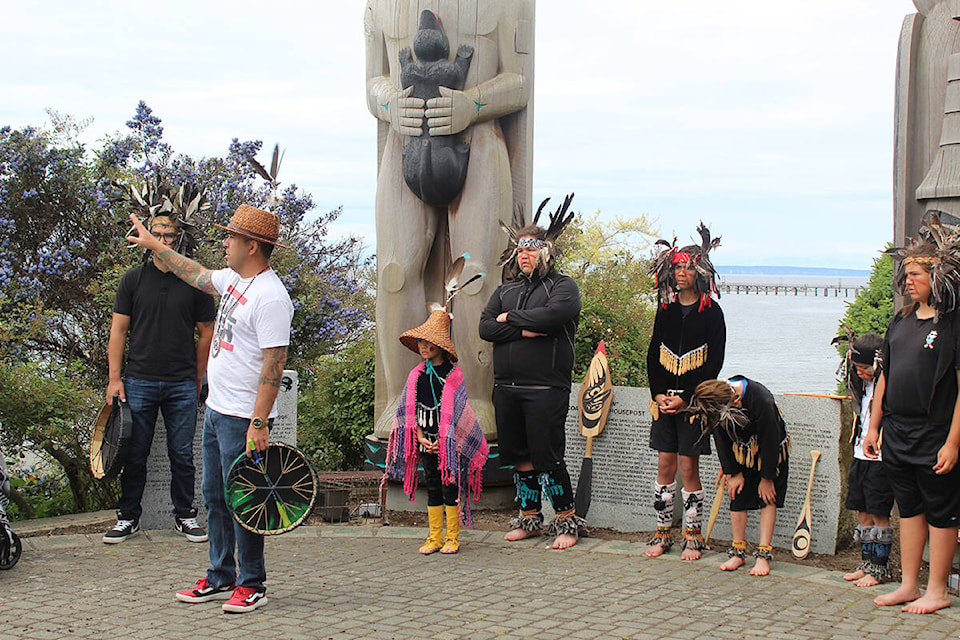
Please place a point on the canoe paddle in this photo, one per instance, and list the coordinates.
(593, 407)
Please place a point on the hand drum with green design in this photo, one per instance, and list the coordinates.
(274, 494)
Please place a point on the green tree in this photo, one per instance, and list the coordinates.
(335, 412)
(872, 309)
(615, 290)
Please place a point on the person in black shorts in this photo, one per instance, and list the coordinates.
(916, 405)
(686, 348)
(532, 321)
(754, 451)
(868, 489)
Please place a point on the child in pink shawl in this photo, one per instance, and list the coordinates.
(435, 426)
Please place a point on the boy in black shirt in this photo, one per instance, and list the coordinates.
(917, 403)
(753, 447)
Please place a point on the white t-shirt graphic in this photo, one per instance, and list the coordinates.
(255, 313)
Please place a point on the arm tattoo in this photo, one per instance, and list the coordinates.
(190, 271)
(273, 361)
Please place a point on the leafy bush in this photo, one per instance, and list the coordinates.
(48, 494)
(872, 309)
(618, 310)
(615, 291)
(335, 412)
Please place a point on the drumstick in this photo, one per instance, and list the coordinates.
(715, 508)
(801, 537)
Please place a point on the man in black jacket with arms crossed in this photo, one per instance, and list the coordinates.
(532, 321)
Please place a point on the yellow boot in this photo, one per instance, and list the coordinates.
(451, 542)
(435, 540)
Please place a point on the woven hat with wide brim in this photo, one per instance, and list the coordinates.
(256, 224)
(436, 330)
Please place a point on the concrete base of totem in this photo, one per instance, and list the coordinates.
(157, 508)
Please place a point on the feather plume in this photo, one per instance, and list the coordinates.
(452, 284)
(559, 220)
(274, 199)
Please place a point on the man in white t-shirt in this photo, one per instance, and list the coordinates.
(249, 349)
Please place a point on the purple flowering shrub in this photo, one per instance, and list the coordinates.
(62, 223)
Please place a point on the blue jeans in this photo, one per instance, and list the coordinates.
(225, 438)
(177, 402)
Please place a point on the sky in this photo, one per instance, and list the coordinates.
(770, 121)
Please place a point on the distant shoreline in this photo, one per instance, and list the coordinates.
(740, 270)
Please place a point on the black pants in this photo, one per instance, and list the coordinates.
(437, 492)
(531, 425)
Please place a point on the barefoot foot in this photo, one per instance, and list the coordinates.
(928, 603)
(867, 581)
(900, 596)
(761, 567)
(655, 550)
(520, 534)
(732, 564)
(564, 541)
(854, 575)
(690, 554)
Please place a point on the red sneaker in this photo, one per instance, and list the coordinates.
(245, 599)
(203, 591)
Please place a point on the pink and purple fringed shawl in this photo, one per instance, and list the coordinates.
(463, 449)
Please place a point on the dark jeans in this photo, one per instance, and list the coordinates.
(224, 439)
(177, 402)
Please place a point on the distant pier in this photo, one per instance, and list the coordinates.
(821, 290)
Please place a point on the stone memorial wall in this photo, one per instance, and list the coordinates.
(157, 509)
(625, 468)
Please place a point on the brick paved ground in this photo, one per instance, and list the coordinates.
(368, 582)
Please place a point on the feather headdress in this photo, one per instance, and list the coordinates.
(559, 220)
(182, 205)
(863, 350)
(273, 200)
(941, 232)
(713, 404)
(661, 267)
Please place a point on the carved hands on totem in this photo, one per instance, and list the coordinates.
(447, 115)
(403, 112)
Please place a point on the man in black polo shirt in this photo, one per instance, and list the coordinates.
(165, 370)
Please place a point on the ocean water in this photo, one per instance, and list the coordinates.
(783, 341)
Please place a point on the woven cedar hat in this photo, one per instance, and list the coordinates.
(435, 330)
(256, 224)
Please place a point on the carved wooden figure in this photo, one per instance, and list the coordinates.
(927, 121)
(490, 113)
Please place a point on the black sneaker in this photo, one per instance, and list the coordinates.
(190, 528)
(121, 531)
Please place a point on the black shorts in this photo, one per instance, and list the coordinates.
(531, 425)
(920, 491)
(749, 497)
(868, 488)
(673, 433)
